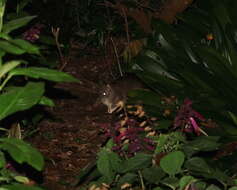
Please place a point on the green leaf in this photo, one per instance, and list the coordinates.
(20, 187)
(11, 48)
(161, 142)
(110, 144)
(138, 162)
(199, 166)
(25, 45)
(186, 180)
(202, 143)
(108, 163)
(200, 185)
(22, 152)
(20, 98)
(127, 178)
(233, 117)
(44, 73)
(172, 162)
(103, 164)
(153, 174)
(21, 179)
(17, 23)
(46, 101)
(220, 176)
(6, 67)
(171, 182)
(2, 160)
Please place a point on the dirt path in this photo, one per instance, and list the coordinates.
(71, 140)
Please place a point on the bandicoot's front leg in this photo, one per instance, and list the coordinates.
(121, 105)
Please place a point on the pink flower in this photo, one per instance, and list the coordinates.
(33, 33)
(187, 118)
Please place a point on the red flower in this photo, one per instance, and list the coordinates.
(187, 118)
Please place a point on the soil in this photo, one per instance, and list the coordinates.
(71, 140)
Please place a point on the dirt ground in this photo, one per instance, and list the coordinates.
(72, 138)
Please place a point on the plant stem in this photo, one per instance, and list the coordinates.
(141, 179)
(5, 81)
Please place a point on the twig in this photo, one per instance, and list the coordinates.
(117, 56)
(55, 32)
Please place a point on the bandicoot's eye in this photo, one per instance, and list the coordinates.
(104, 93)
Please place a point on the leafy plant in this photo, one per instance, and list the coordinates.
(21, 87)
(196, 60)
(190, 68)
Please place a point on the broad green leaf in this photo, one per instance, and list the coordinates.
(186, 180)
(138, 162)
(22, 152)
(44, 73)
(20, 187)
(171, 182)
(8, 66)
(201, 185)
(46, 101)
(20, 98)
(221, 176)
(202, 143)
(10, 48)
(127, 178)
(105, 164)
(158, 82)
(25, 45)
(17, 23)
(172, 162)
(153, 174)
(199, 167)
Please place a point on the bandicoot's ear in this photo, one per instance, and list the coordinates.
(108, 87)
